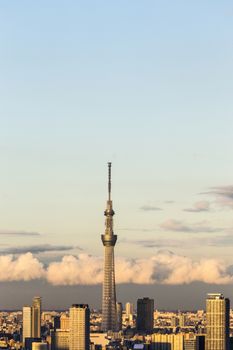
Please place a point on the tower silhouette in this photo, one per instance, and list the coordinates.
(109, 316)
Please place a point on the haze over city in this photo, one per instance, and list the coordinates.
(145, 85)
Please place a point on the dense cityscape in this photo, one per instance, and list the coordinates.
(115, 326)
(148, 328)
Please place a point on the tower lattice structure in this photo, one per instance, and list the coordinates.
(109, 314)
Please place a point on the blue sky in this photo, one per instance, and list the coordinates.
(144, 84)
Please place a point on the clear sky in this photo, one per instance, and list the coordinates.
(145, 84)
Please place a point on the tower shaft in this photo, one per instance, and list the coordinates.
(109, 316)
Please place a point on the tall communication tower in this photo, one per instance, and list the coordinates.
(109, 316)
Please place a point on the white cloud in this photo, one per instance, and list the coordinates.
(23, 268)
(71, 270)
(181, 270)
(163, 268)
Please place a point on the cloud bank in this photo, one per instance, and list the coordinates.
(24, 268)
(163, 268)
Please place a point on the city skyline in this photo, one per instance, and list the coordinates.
(148, 87)
(81, 327)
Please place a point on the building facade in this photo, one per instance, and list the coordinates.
(60, 339)
(119, 316)
(129, 309)
(167, 342)
(36, 317)
(217, 322)
(27, 323)
(65, 321)
(145, 315)
(79, 327)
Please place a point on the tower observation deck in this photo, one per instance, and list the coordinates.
(109, 317)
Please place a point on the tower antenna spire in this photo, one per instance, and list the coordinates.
(109, 180)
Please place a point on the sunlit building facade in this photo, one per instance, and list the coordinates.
(36, 317)
(217, 322)
(27, 323)
(79, 327)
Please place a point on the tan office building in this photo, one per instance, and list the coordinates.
(36, 317)
(27, 322)
(217, 322)
(64, 321)
(129, 309)
(79, 327)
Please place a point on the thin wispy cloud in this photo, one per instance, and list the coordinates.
(156, 243)
(179, 226)
(131, 229)
(220, 241)
(199, 207)
(188, 243)
(223, 195)
(150, 208)
(18, 233)
(36, 249)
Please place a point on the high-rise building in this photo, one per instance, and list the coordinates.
(217, 322)
(79, 327)
(27, 323)
(145, 315)
(119, 316)
(109, 316)
(128, 317)
(129, 309)
(36, 317)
